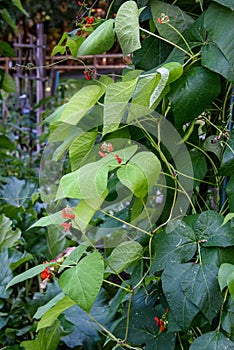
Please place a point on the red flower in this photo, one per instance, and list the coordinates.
(67, 213)
(88, 73)
(80, 3)
(102, 154)
(109, 147)
(67, 226)
(89, 20)
(157, 321)
(119, 160)
(46, 274)
(160, 21)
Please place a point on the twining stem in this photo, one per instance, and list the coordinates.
(168, 41)
(221, 309)
(128, 316)
(117, 285)
(182, 37)
(126, 223)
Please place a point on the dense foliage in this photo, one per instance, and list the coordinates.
(136, 249)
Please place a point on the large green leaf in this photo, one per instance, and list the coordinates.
(16, 192)
(200, 286)
(193, 93)
(219, 56)
(52, 219)
(177, 18)
(130, 250)
(44, 308)
(199, 165)
(140, 173)
(152, 53)
(86, 331)
(80, 103)
(80, 148)
(54, 309)
(100, 40)
(142, 329)
(212, 341)
(228, 3)
(85, 211)
(18, 4)
(47, 339)
(177, 246)
(116, 102)
(83, 282)
(90, 181)
(209, 228)
(8, 237)
(72, 133)
(127, 27)
(182, 310)
(8, 83)
(226, 278)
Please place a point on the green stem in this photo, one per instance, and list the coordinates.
(128, 316)
(117, 285)
(181, 345)
(221, 309)
(182, 37)
(167, 41)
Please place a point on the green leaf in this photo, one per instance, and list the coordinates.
(8, 18)
(123, 255)
(200, 286)
(18, 4)
(227, 218)
(84, 212)
(199, 165)
(74, 43)
(90, 181)
(193, 93)
(52, 219)
(81, 147)
(127, 27)
(116, 102)
(230, 192)
(152, 54)
(220, 35)
(16, 192)
(62, 303)
(100, 40)
(182, 310)
(34, 271)
(8, 83)
(8, 237)
(6, 274)
(83, 282)
(80, 103)
(210, 229)
(47, 339)
(140, 173)
(156, 94)
(56, 241)
(58, 49)
(177, 18)
(74, 256)
(43, 309)
(226, 272)
(72, 135)
(228, 3)
(212, 340)
(227, 163)
(177, 246)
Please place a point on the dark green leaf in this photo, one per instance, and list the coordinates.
(199, 165)
(16, 192)
(228, 3)
(230, 192)
(6, 274)
(182, 310)
(172, 247)
(212, 341)
(152, 53)
(221, 35)
(193, 93)
(227, 163)
(177, 18)
(200, 286)
(8, 18)
(210, 229)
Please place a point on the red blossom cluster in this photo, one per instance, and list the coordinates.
(162, 322)
(108, 148)
(89, 20)
(89, 73)
(163, 19)
(47, 274)
(68, 213)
